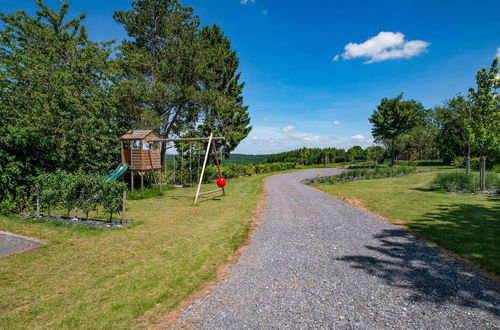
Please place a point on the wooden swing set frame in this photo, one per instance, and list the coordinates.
(210, 145)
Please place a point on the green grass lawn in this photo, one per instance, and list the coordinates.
(94, 278)
(468, 225)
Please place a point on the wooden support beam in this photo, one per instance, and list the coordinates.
(214, 138)
(142, 180)
(210, 192)
(203, 169)
(132, 180)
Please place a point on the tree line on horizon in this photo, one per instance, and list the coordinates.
(65, 100)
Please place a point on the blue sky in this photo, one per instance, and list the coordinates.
(300, 93)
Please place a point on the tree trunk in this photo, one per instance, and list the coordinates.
(37, 202)
(482, 173)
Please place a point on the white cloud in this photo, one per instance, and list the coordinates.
(358, 137)
(266, 119)
(385, 46)
(336, 122)
(313, 139)
(288, 128)
(244, 2)
(335, 58)
(498, 52)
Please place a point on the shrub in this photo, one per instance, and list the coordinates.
(8, 206)
(459, 180)
(228, 172)
(79, 191)
(458, 162)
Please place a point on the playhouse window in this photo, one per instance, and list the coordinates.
(136, 144)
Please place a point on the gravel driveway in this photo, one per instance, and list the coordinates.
(316, 262)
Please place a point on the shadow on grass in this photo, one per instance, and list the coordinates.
(471, 230)
(404, 261)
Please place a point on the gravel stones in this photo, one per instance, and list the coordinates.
(317, 262)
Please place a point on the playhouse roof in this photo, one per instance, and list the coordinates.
(138, 135)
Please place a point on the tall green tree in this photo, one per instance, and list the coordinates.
(485, 116)
(375, 154)
(450, 132)
(178, 79)
(356, 153)
(55, 105)
(392, 118)
(222, 110)
(160, 66)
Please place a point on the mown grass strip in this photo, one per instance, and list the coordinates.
(92, 278)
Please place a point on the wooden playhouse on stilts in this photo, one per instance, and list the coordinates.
(140, 149)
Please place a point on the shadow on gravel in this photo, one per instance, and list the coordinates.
(404, 261)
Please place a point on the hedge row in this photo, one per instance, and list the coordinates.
(240, 170)
(79, 191)
(357, 174)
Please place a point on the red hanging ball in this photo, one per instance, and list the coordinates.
(221, 182)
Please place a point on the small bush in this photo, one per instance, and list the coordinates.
(460, 181)
(8, 206)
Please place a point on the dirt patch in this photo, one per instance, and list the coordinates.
(170, 319)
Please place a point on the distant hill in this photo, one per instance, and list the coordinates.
(244, 159)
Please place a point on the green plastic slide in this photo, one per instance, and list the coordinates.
(118, 172)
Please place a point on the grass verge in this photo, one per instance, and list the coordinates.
(93, 278)
(467, 225)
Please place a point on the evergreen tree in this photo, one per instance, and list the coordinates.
(222, 110)
(161, 66)
(177, 79)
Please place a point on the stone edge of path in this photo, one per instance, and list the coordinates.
(222, 273)
(40, 242)
(358, 203)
